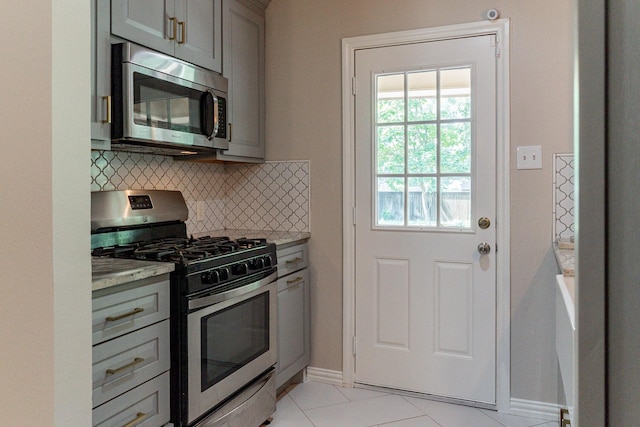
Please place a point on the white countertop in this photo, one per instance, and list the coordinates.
(107, 272)
(565, 258)
(280, 238)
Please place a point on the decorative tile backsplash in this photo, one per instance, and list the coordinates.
(563, 196)
(271, 196)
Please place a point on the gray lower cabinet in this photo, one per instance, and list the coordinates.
(131, 354)
(293, 312)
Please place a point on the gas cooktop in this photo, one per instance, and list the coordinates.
(181, 250)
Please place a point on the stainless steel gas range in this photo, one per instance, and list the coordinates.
(223, 306)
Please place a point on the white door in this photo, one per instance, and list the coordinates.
(425, 126)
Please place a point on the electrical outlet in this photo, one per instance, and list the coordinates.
(200, 208)
(529, 157)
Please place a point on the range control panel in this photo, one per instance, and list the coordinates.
(140, 202)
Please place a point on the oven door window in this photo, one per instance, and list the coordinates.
(165, 105)
(233, 337)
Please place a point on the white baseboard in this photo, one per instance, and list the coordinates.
(326, 376)
(533, 409)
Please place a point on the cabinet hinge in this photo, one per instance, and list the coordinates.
(354, 215)
(353, 85)
(353, 345)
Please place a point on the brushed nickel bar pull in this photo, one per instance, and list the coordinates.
(108, 103)
(131, 364)
(122, 316)
(183, 32)
(296, 280)
(294, 261)
(139, 417)
(174, 28)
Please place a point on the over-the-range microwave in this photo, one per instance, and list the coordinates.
(163, 105)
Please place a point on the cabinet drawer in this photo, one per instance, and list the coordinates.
(292, 259)
(122, 309)
(130, 360)
(148, 404)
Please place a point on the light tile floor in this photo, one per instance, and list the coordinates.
(313, 404)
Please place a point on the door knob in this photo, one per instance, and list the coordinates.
(484, 248)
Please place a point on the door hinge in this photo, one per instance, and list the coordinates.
(353, 85)
(353, 345)
(495, 43)
(354, 215)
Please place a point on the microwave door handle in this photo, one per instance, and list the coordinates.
(208, 114)
(216, 119)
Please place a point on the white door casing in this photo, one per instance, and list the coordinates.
(392, 340)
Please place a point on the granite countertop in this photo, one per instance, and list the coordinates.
(282, 239)
(107, 272)
(564, 251)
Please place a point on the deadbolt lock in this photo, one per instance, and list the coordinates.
(484, 222)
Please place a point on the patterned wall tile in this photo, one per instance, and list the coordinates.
(118, 170)
(563, 196)
(273, 196)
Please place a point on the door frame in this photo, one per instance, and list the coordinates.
(499, 28)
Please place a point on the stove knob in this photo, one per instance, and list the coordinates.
(206, 278)
(210, 277)
(240, 269)
(268, 262)
(224, 273)
(259, 263)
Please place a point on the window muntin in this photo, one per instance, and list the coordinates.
(423, 149)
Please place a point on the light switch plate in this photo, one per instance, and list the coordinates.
(200, 208)
(529, 157)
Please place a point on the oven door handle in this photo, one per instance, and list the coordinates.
(208, 300)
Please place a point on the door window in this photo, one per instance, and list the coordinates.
(423, 149)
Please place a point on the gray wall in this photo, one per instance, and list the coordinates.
(590, 214)
(303, 84)
(45, 308)
(623, 208)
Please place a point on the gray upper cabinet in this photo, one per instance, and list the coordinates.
(189, 30)
(100, 76)
(243, 65)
